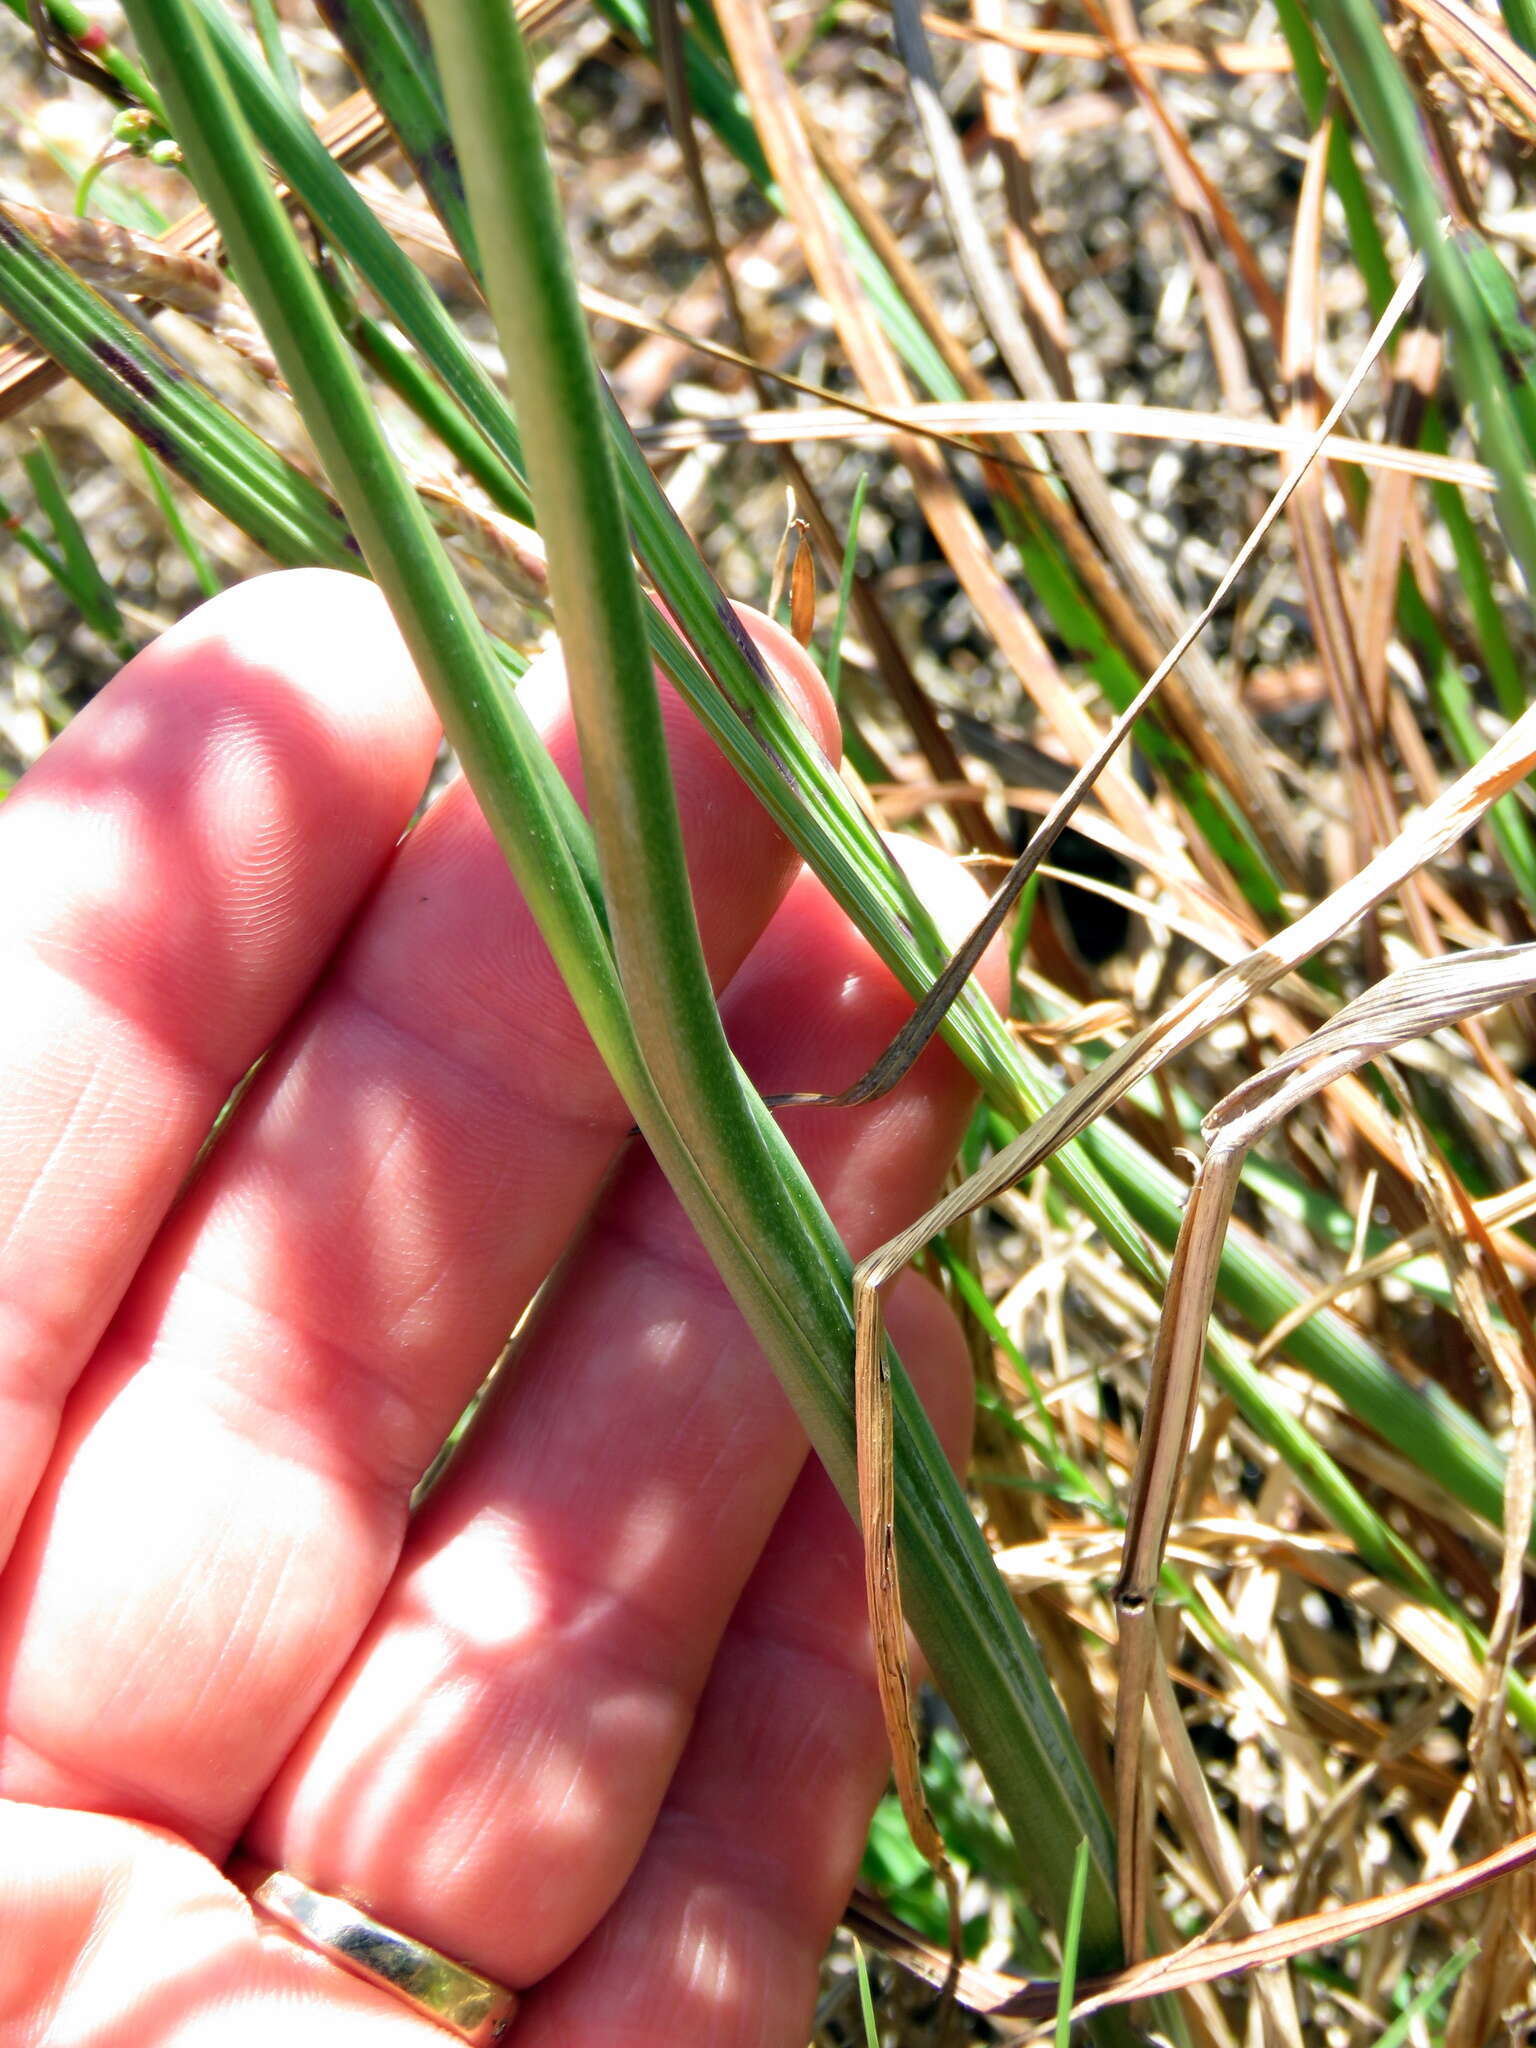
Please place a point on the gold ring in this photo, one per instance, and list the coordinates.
(475, 2008)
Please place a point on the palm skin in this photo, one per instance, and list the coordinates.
(599, 1717)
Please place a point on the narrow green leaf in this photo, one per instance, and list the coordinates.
(175, 519)
(832, 667)
(269, 32)
(736, 1177)
(1069, 1947)
(1425, 2001)
(81, 576)
(866, 1999)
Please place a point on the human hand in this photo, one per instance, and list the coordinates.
(599, 1718)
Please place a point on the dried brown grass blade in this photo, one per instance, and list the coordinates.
(1002, 109)
(1209, 1962)
(1484, 44)
(1328, 602)
(1206, 1960)
(1404, 1006)
(355, 134)
(107, 255)
(1494, 1213)
(904, 1049)
(964, 424)
(1187, 176)
(1236, 60)
(1220, 731)
(1415, 372)
(1222, 1855)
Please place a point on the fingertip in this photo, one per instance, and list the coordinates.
(328, 638)
(799, 678)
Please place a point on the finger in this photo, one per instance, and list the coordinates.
(720, 1933)
(233, 1481)
(488, 1770)
(119, 1936)
(173, 872)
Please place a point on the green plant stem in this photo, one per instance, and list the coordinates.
(735, 1175)
(1384, 105)
(81, 576)
(85, 29)
(171, 512)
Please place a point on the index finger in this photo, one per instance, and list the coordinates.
(173, 874)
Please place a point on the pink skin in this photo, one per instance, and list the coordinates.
(599, 1719)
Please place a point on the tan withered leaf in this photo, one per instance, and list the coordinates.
(802, 587)
(1202, 1961)
(1404, 1006)
(874, 1416)
(1466, 989)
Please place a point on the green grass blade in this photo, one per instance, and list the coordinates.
(1424, 2002)
(269, 33)
(866, 1999)
(1070, 1939)
(176, 522)
(735, 1175)
(81, 577)
(480, 712)
(52, 564)
(1384, 105)
(172, 415)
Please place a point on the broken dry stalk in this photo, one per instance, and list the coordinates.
(873, 1426)
(1404, 1006)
